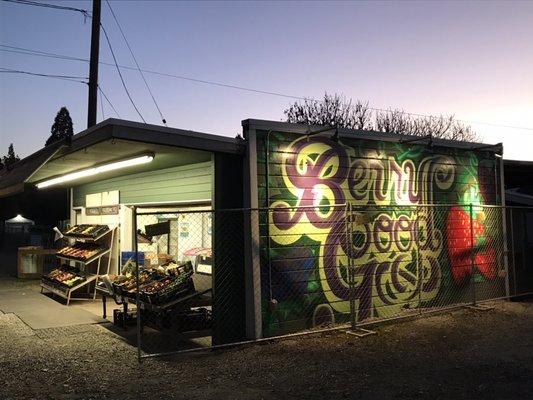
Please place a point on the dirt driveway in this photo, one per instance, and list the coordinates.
(463, 354)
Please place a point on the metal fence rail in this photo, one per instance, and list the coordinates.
(319, 268)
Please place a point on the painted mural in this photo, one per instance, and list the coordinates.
(350, 226)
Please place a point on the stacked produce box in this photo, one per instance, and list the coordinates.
(158, 285)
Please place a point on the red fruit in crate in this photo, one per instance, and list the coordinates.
(459, 229)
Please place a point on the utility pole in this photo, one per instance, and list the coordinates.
(93, 65)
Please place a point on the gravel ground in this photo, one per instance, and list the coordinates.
(464, 354)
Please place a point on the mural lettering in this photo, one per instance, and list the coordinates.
(399, 246)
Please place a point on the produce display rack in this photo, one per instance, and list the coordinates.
(66, 293)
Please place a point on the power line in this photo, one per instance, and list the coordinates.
(120, 73)
(21, 50)
(47, 5)
(101, 105)
(108, 101)
(63, 77)
(65, 57)
(136, 63)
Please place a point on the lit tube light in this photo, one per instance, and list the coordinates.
(96, 170)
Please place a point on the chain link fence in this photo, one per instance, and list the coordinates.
(301, 249)
(186, 295)
(320, 267)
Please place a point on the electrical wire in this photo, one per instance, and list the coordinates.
(120, 73)
(101, 105)
(47, 5)
(108, 101)
(29, 52)
(64, 57)
(136, 63)
(63, 77)
(20, 50)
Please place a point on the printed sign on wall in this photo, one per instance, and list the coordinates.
(92, 211)
(102, 210)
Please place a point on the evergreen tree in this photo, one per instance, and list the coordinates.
(62, 127)
(11, 157)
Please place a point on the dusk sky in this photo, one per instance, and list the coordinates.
(471, 59)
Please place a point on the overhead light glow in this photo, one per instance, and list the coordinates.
(96, 170)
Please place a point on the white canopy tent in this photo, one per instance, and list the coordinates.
(18, 224)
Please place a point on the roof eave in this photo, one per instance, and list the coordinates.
(280, 126)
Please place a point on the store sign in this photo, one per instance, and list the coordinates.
(184, 229)
(92, 211)
(109, 210)
(103, 210)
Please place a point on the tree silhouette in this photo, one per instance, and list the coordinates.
(335, 110)
(62, 127)
(443, 126)
(11, 157)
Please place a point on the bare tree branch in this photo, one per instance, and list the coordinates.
(335, 110)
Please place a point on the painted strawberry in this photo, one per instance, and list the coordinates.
(459, 231)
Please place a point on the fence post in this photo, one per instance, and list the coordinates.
(472, 255)
(504, 224)
(419, 270)
(513, 252)
(137, 300)
(350, 272)
(505, 251)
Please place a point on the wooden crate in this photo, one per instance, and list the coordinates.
(22, 265)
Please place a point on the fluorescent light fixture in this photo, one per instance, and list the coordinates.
(96, 170)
